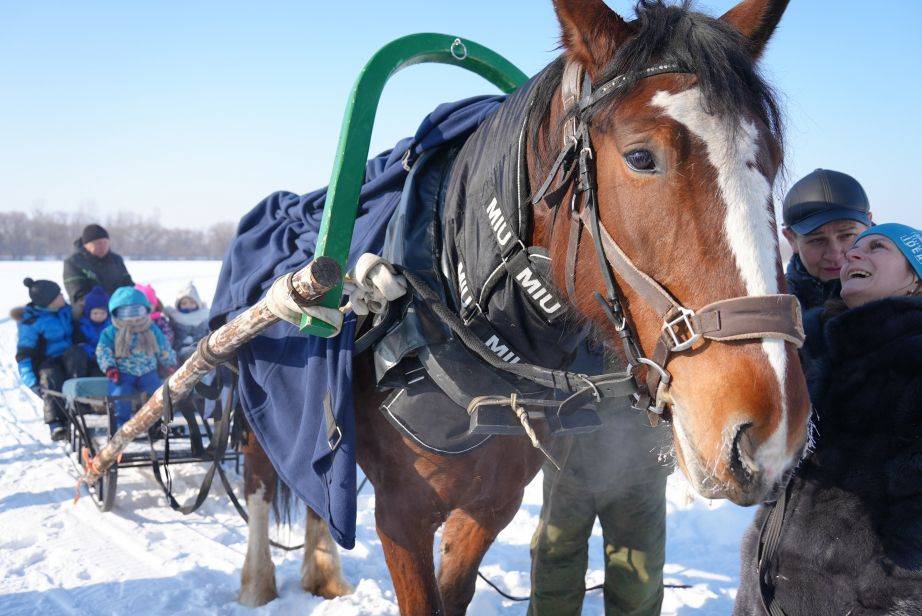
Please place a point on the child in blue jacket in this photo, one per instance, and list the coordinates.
(93, 321)
(45, 351)
(130, 350)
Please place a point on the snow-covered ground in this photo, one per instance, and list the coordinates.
(57, 557)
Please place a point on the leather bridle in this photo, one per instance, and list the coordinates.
(739, 318)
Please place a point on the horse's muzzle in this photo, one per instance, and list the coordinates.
(752, 484)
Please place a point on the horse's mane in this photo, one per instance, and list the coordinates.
(713, 50)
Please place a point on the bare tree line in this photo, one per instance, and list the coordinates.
(44, 235)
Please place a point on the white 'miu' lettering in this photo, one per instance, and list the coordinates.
(502, 350)
(498, 223)
(532, 285)
(465, 292)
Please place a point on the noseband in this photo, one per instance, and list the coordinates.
(739, 318)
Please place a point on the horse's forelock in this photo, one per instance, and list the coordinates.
(716, 53)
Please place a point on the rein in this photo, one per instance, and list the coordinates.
(739, 318)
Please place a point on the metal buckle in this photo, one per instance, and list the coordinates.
(334, 442)
(684, 318)
(663, 373)
(595, 390)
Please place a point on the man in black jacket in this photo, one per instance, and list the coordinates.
(93, 264)
(823, 214)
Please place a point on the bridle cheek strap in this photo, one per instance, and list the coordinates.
(737, 319)
(740, 318)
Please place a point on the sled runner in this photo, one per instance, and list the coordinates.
(188, 437)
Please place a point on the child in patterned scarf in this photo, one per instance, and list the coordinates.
(130, 350)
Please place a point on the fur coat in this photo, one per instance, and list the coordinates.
(851, 541)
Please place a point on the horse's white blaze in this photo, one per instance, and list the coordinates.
(747, 228)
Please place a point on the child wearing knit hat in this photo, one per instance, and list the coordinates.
(94, 320)
(45, 351)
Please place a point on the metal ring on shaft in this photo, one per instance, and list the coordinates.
(457, 44)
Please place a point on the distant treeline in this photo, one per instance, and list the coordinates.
(46, 235)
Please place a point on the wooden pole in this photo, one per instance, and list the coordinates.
(311, 283)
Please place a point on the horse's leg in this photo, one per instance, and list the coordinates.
(321, 573)
(257, 580)
(467, 536)
(407, 540)
(407, 509)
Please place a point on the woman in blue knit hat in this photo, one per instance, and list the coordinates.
(845, 536)
(130, 350)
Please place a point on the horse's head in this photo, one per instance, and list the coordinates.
(685, 162)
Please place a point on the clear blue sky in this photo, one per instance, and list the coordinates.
(194, 111)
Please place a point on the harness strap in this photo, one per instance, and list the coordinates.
(570, 85)
(564, 161)
(219, 440)
(611, 85)
(769, 540)
(576, 229)
(334, 433)
(657, 297)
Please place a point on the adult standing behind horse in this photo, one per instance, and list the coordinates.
(93, 264)
(625, 488)
(850, 534)
(823, 214)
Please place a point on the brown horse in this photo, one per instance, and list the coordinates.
(685, 163)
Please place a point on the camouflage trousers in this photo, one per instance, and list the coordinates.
(633, 520)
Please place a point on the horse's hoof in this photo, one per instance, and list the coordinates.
(255, 597)
(328, 590)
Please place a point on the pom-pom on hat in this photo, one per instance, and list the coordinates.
(42, 292)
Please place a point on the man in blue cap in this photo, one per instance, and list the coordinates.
(823, 213)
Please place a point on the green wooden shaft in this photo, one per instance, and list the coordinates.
(335, 236)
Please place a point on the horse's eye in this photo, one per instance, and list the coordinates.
(640, 160)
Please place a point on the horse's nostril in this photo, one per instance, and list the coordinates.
(742, 460)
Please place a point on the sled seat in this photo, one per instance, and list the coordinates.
(86, 387)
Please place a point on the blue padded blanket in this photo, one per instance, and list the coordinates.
(285, 374)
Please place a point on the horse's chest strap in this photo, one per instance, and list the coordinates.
(769, 540)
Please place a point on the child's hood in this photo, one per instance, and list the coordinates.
(127, 296)
(151, 295)
(190, 291)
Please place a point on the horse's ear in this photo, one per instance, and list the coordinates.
(590, 31)
(756, 20)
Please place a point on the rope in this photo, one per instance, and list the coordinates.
(588, 588)
(522, 414)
